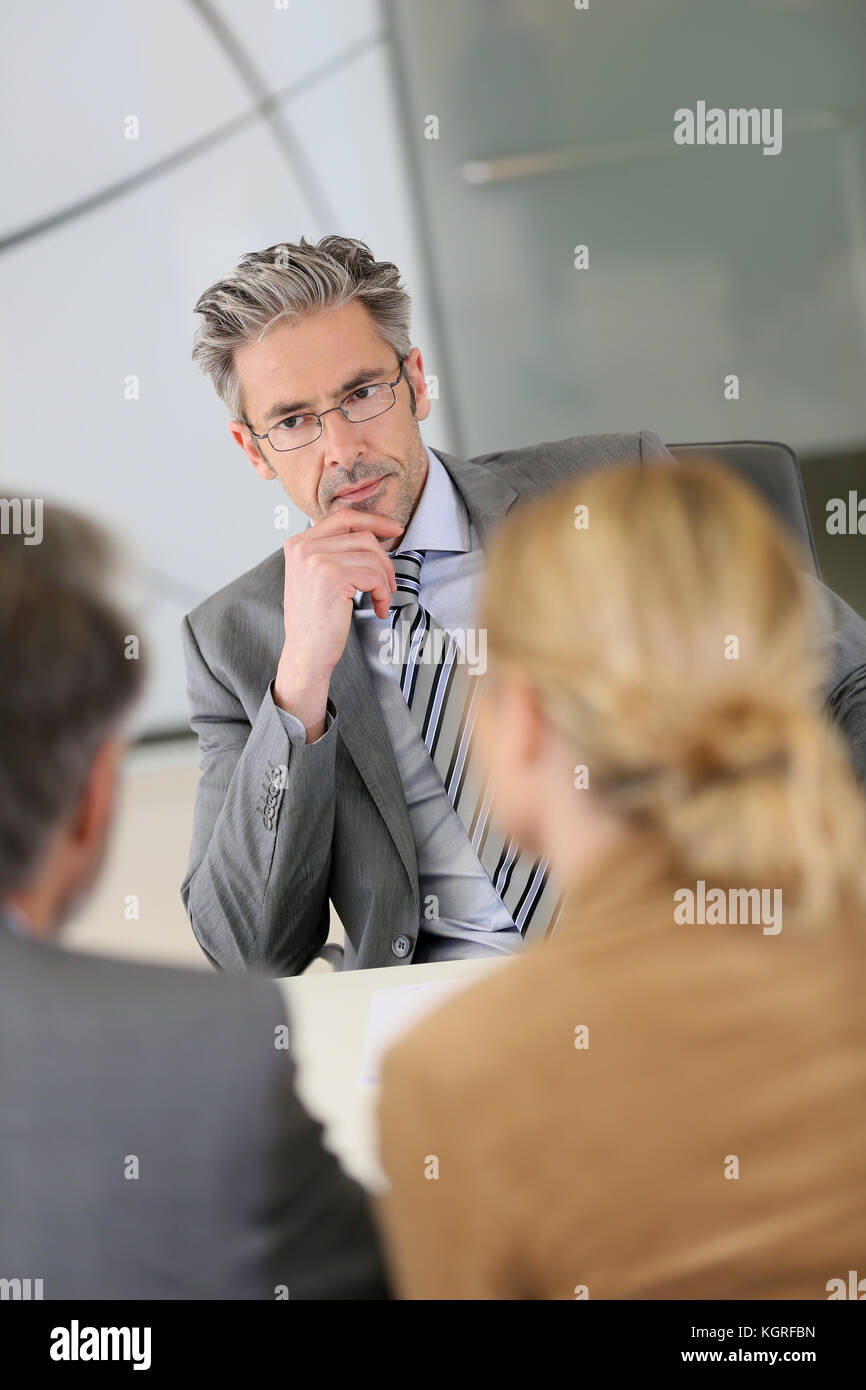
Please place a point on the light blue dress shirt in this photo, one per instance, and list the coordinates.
(461, 915)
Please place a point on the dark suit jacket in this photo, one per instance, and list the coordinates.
(108, 1070)
(270, 848)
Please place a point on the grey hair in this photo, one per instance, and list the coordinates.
(292, 281)
(67, 683)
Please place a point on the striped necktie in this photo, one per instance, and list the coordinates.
(442, 697)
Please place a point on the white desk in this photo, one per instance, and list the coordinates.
(327, 1028)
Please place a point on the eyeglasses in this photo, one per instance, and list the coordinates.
(364, 403)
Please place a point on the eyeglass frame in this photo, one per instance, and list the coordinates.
(393, 384)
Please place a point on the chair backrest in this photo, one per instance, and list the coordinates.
(773, 470)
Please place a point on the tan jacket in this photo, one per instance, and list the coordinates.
(709, 1142)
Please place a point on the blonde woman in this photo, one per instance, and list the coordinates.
(667, 1097)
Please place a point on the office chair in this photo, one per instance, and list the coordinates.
(773, 471)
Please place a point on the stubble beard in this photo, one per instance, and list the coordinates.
(408, 486)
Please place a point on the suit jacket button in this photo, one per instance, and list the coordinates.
(401, 945)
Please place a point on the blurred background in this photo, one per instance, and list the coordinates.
(477, 145)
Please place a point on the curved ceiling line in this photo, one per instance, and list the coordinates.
(263, 107)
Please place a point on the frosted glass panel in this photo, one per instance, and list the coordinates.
(703, 262)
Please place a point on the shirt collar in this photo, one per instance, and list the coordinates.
(440, 521)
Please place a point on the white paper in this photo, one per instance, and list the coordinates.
(394, 1012)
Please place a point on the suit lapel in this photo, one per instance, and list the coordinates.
(486, 494)
(362, 727)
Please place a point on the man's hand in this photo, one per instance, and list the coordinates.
(324, 566)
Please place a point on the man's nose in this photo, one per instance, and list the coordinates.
(341, 440)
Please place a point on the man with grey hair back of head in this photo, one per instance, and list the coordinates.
(152, 1145)
(332, 687)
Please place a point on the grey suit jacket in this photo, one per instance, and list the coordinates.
(278, 829)
(105, 1066)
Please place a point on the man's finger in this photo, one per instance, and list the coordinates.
(348, 547)
(371, 582)
(346, 521)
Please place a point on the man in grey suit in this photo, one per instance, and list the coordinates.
(323, 773)
(152, 1145)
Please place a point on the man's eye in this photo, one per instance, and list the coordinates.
(291, 422)
(363, 393)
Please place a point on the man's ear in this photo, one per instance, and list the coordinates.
(241, 434)
(91, 817)
(414, 368)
